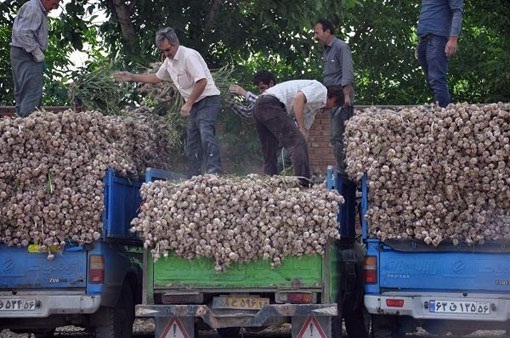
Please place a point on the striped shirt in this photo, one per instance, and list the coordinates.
(30, 29)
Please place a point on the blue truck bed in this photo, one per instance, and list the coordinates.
(39, 294)
(449, 288)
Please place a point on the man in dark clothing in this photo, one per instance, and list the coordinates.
(438, 30)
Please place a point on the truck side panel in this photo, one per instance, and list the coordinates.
(121, 200)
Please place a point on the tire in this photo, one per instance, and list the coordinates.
(336, 326)
(45, 334)
(385, 327)
(356, 324)
(229, 332)
(118, 321)
(353, 310)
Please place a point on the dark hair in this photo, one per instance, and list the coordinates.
(168, 34)
(326, 24)
(336, 92)
(263, 76)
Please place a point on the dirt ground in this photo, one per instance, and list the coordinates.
(145, 329)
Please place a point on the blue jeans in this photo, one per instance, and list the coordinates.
(28, 81)
(201, 142)
(433, 61)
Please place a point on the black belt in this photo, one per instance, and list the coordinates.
(426, 37)
(268, 97)
(272, 98)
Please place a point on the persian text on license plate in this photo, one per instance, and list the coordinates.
(245, 303)
(451, 306)
(19, 304)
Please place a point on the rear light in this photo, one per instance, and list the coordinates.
(370, 269)
(96, 269)
(295, 297)
(394, 302)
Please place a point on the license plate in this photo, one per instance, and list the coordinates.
(244, 303)
(454, 306)
(19, 304)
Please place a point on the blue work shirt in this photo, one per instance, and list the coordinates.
(30, 29)
(440, 17)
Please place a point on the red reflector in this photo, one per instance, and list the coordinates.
(96, 269)
(370, 269)
(370, 277)
(394, 302)
(299, 298)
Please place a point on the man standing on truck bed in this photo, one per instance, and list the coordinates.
(337, 71)
(187, 69)
(28, 45)
(438, 30)
(283, 115)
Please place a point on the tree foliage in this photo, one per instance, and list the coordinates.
(249, 35)
(277, 35)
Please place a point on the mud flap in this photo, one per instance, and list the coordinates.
(311, 327)
(174, 327)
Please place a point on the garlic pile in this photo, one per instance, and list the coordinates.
(51, 171)
(434, 173)
(236, 219)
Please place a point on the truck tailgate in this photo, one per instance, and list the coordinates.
(176, 272)
(25, 268)
(477, 270)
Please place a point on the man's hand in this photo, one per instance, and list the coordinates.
(185, 109)
(304, 131)
(122, 76)
(38, 55)
(451, 46)
(237, 90)
(347, 102)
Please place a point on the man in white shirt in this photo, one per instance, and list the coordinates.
(187, 69)
(283, 115)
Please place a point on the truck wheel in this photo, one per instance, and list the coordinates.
(385, 327)
(44, 334)
(356, 325)
(336, 326)
(118, 321)
(229, 332)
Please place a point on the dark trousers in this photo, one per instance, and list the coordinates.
(201, 141)
(28, 81)
(337, 129)
(274, 127)
(434, 63)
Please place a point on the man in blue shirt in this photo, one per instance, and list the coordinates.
(29, 43)
(438, 30)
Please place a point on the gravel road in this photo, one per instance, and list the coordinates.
(145, 329)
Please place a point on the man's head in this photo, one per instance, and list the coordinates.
(167, 42)
(263, 79)
(323, 31)
(335, 97)
(50, 4)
